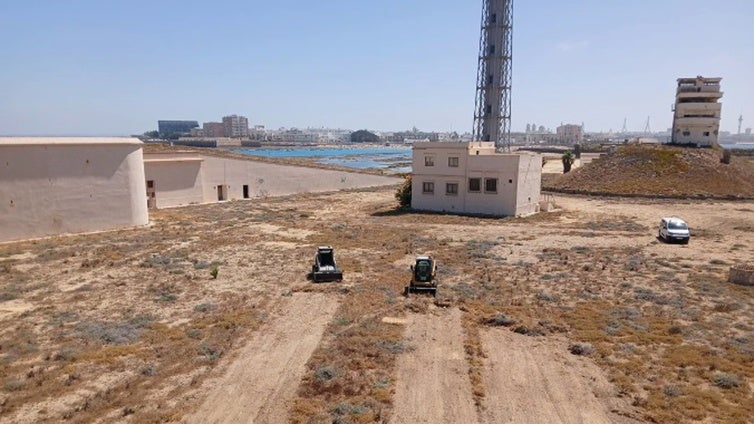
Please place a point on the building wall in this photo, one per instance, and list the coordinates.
(235, 126)
(214, 129)
(175, 181)
(56, 186)
(517, 180)
(696, 117)
(176, 127)
(178, 182)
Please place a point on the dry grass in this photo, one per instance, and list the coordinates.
(128, 323)
(660, 170)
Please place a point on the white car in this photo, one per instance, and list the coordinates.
(674, 229)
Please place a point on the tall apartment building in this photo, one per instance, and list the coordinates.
(570, 133)
(696, 118)
(236, 126)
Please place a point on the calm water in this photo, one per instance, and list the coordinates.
(738, 146)
(393, 159)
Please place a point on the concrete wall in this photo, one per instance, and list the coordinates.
(176, 181)
(179, 182)
(518, 179)
(51, 186)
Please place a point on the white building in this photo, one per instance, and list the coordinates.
(235, 126)
(696, 118)
(182, 178)
(470, 178)
(52, 186)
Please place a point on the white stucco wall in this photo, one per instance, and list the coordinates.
(518, 180)
(178, 184)
(51, 186)
(177, 180)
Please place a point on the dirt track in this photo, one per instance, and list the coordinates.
(531, 380)
(236, 347)
(433, 383)
(263, 378)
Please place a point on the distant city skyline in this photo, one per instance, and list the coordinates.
(87, 67)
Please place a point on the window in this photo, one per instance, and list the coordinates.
(687, 133)
(475, 184)
(510, 181)
(150, 184)
(706, 133)
(453, 162)
(492, 49)
(428, 188)
(490, 185)
(429, 161)
(451, 189)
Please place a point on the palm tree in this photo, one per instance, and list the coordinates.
(568, 159)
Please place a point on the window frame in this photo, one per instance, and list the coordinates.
(486, 185)
(448, 191)
(479, 182)
(453, 163)
(429, 160)
(428, 187)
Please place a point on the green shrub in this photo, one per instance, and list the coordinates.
(403, 195)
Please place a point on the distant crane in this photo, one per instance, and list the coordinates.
(492, 105)
(624, 129)
(647, 129)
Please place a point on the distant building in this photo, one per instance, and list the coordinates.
(696, 118)
(166, 128)
(471, 178)
(213, 129)
(235, 126)
(61, 185)
(570, 134)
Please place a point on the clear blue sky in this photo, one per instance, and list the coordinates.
(107, 67)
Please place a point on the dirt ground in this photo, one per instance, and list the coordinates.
(207, 316)
(432, 380)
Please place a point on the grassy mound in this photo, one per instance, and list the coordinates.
(663, 171)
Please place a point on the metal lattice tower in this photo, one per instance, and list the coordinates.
(492, 109)
(740, 121)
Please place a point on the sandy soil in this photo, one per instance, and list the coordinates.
(238, 346)
(433, 383)
(533, 380)
(258, 384)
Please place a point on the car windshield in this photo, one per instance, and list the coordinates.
(677, 225)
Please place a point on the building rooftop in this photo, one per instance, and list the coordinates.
(25, 141)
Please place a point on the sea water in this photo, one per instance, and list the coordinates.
(392, 159)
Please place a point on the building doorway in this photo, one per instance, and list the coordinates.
(245, 191)
(151, 195)
(222, 193)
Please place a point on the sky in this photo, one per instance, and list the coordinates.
(109, 67)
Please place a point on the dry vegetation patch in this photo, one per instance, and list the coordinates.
(130, 324)
(661, 171)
